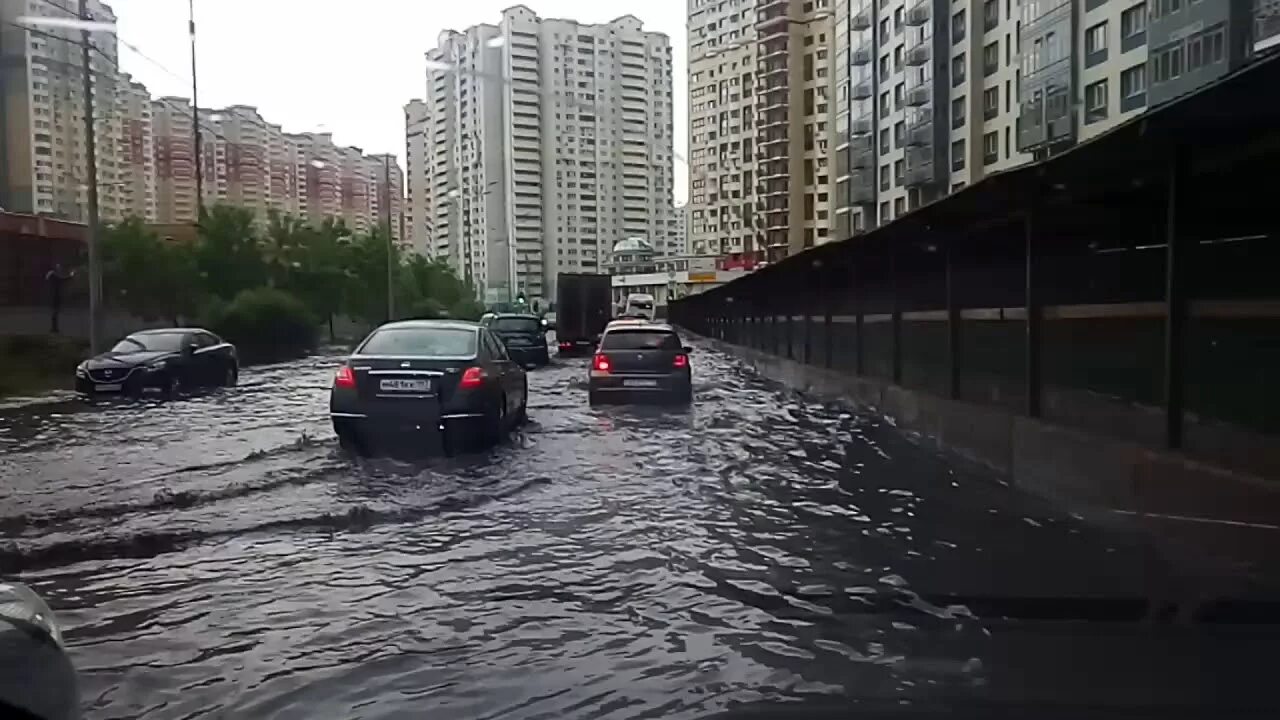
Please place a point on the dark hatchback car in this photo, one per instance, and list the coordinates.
(642, 360)
(167, 360)
(525, 337)
(451, 379)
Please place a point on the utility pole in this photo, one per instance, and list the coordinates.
(195, 113)
(95, 261)
(391, 249)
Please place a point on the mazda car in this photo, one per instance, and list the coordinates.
(640, 360)
(449, 381)
(525, 337)
(164, 360)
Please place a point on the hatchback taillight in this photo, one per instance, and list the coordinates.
(681, 361)
(600, 363)
(472, 378)
(345, 378)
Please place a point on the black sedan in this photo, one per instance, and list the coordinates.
(640, 359)
(165, 360)
(525, 337)
(450, 379)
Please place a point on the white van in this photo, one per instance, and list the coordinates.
(638, 305)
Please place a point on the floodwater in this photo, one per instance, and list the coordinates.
(759, 553)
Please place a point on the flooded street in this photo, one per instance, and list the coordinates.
(218, 555)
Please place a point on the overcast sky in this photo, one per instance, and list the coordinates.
(341, 66)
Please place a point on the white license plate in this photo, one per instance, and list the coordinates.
(640, 383)
(112, 387)
(402, 385)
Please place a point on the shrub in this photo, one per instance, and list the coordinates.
(265, 325)
(32, 363)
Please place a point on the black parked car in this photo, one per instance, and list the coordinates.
(445, 376)
(524, 335)
(166, 360)
(640, 359)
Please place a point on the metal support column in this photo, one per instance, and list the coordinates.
(895, 289)
(1175, 321)
(1033, 319)
(859, 365)
(953, 319)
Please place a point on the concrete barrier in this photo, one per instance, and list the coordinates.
(1218, 515)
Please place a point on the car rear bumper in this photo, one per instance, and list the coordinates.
(639, 384)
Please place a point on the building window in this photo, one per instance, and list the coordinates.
(957, 70)
(991, 58)
(884, 177)
(957, 113)
(899, 133)
(899, 171)
(884, 141)
(899, 207)
(990, 15)
(1133, 20)
(958, 27)
(990, 147)
(1095, 101)
(1133, 87)
(990, 103)
(957, 155)
(1095, 38)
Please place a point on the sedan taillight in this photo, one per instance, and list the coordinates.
(472, 378)
(600, 363)
(345, 378)
(681, 361)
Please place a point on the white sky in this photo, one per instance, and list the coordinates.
(343, 66)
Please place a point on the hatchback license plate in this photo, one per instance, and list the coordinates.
(640, 383)
(402, 385)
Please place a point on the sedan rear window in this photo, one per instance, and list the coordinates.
(515, 324)
(421, 342)
(640, 340)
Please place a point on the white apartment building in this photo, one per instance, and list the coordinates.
(45, 159)
(174, 160)
(549, 141)
(417, 219)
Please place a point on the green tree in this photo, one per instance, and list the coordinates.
(228, 255)
(147, 276)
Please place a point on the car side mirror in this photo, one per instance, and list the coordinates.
(189, 349)
(688, 349)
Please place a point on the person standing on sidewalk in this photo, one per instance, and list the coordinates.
(56, 278)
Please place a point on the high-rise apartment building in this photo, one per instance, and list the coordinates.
(940, 93)
(417, 220)
(43, 155)
(548, 142)
(136, 151)
(762, 88)
(174, 160)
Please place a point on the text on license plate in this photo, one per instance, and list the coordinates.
(111, 387)
(404, 385)
(640, 383)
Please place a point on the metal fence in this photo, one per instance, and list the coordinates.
(1128, 288)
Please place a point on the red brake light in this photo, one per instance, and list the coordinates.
(600, 363)
(681, 361)
(472, 377)
(345, 378)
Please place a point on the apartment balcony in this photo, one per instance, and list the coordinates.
(919, 53)
(862, 186)
(920, 129)
(861, 126)
(919, 169)
(862, 90)
(765, 69)
(918, 95)
(862, 155)
(861, 19)
(861, 56)
(772, 119)
(919, 13)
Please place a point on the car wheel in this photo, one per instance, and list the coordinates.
(231, 376)
(522, 414)
(593, 397)
(685, 395)
(497, 421)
